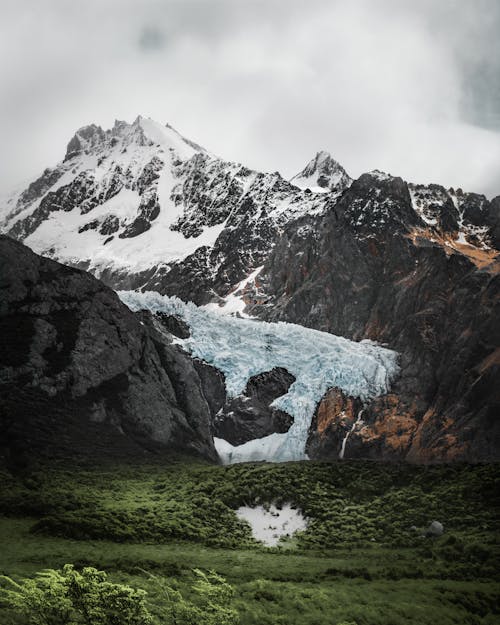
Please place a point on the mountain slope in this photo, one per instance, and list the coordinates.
(77, 368)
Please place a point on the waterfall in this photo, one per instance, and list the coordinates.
(344, 442)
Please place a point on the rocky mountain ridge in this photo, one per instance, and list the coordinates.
(140, 206)
(419, 271)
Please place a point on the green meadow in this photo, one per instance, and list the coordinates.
(364, 558)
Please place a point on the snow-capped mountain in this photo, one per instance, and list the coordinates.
(134, 202)
(139, 205)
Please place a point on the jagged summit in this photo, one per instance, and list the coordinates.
(323, 173)
(85, 138)
(142, 131)
(378, 174)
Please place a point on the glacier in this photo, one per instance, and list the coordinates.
(242, 348)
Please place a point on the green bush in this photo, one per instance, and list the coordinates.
(70, 597)
(211, 605)
(43, 600)
(348, 504)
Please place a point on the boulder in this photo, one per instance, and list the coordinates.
(435, 529)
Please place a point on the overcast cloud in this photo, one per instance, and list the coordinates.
(412, 88)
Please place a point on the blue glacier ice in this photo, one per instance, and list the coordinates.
(242, 348)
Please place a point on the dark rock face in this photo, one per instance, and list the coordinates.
(84, 138)
(80, 375)
(251, 415)
(40, 186)
(213, 384)
(244, 244)
(368, 269)
(149, 210)
(173, 324)
(494, 221)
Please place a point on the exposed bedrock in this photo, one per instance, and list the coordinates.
(251, 415)
(81, 375)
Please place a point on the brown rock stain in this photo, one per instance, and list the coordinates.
(395, 422)
(432, 443)
(491, 360)
(372, 248)
(487, 259)
(336, 408)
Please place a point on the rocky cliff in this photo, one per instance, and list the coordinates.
(387, 262)
(81, 375)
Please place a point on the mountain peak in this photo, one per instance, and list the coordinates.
(323, 155)
(322, 174)
(168, 138)
(378, 174)
(142, 131)
(84, 138)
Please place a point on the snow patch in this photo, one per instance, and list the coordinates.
(272, 524)
(59, 236)
(380, 175)
(168, 138)
(308, 183)
(233, 304)
(421, 202)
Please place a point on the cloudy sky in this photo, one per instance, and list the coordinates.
(409, 87)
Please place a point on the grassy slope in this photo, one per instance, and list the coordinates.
(359, 561)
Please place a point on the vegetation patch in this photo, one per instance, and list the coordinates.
(363, 558)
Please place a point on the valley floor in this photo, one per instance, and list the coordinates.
(358, 562)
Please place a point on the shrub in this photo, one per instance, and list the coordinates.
(69, 597)
(211, 606)
(43, 600)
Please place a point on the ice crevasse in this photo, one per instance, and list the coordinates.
(242, 348)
